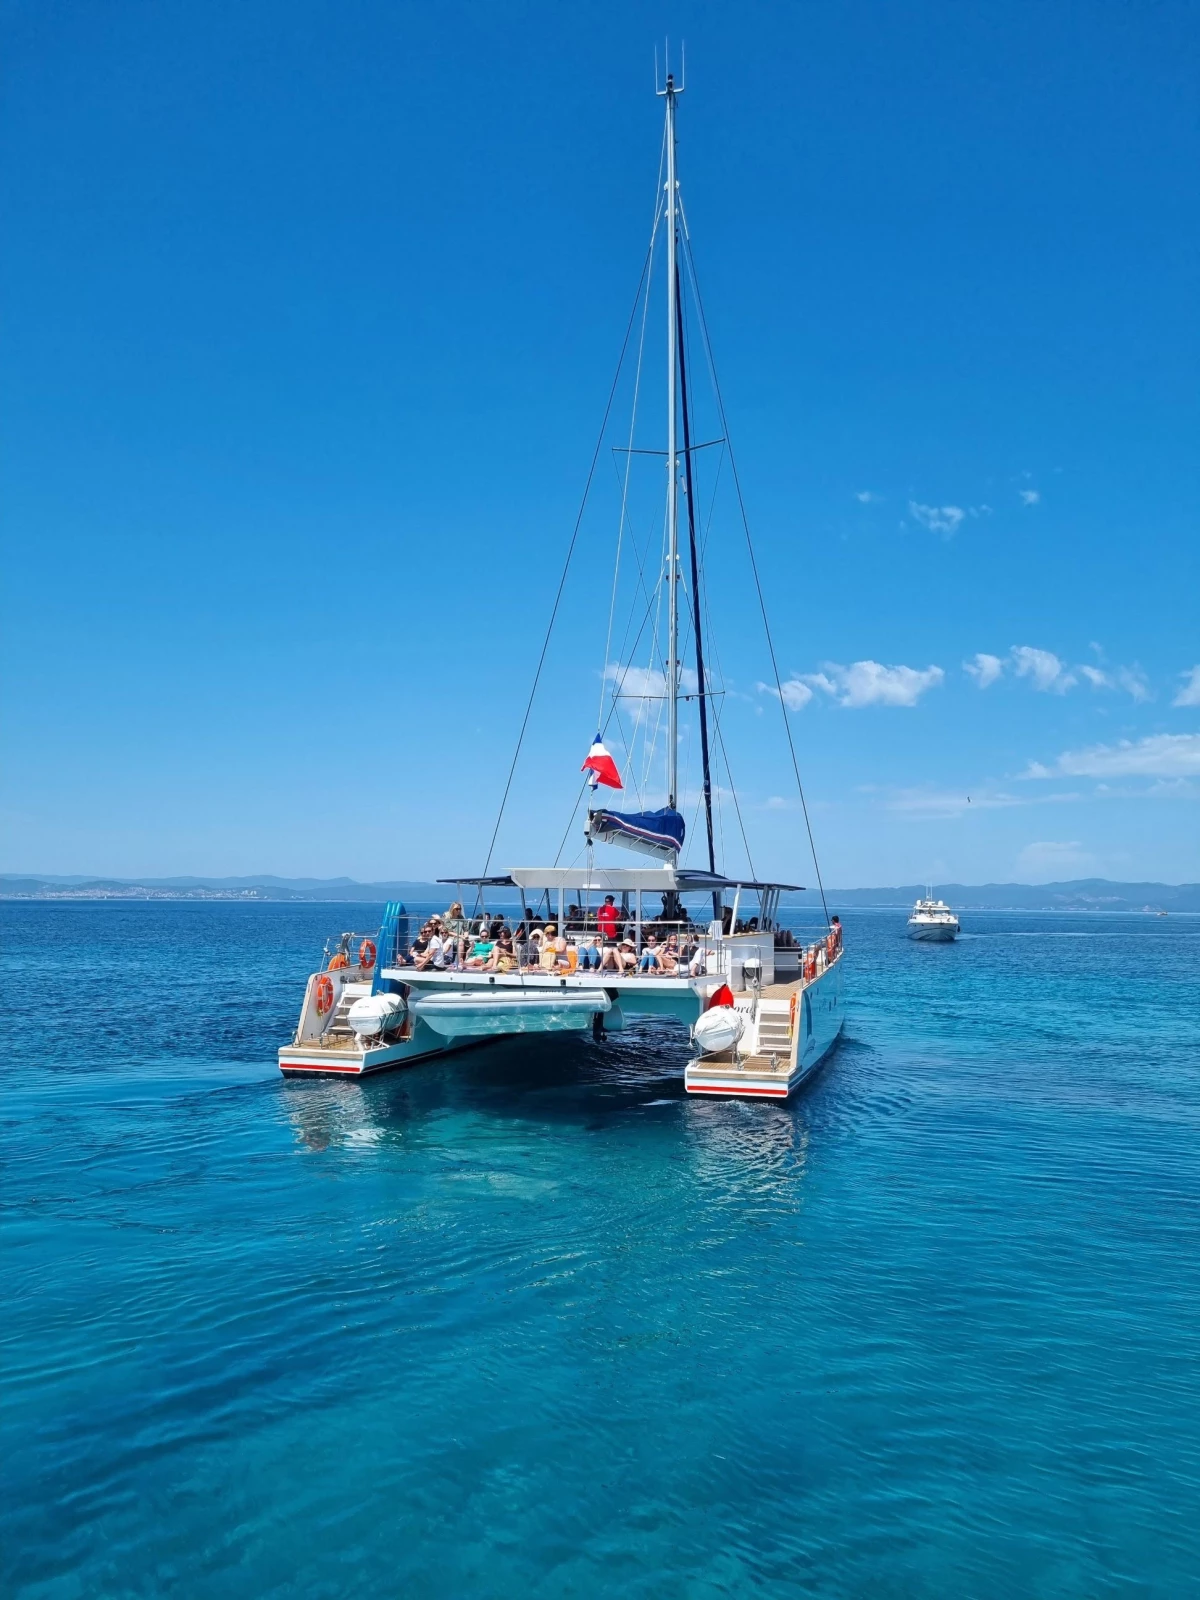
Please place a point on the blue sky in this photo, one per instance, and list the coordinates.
(309, 315)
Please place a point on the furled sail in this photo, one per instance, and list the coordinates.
(652, 833)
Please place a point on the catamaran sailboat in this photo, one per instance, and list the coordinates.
(661, 938)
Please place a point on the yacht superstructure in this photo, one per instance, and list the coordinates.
(933, 920)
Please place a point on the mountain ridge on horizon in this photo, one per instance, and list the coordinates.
(1070, 894)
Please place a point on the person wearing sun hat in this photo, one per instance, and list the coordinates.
(553, 947)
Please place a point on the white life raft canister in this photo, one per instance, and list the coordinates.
(718, 1029)
(376, 1013)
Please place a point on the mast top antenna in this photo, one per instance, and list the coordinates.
(670, 86)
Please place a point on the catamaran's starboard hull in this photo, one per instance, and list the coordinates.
(820, 1014)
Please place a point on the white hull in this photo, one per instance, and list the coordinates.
(449, 1010)
(934, 932)
(350, 1062)
(780, 1049)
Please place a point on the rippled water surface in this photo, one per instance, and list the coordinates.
(529, 1322)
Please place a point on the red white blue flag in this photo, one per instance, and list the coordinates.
(602, 767)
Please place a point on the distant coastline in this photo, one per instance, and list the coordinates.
(1080, 894)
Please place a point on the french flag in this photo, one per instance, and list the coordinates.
(602, 767)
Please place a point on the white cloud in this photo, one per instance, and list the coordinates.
(943, 803)
(984, 669)
(938, 519)
(1030, 497)
(862, 683)
(867, 497)
(1049, 673)
(1133, 681)
(870, 683)
(1162, 755)
(776, 802)
(1043, 666)
(1054, 856)
(1189, 695)
(796, 693)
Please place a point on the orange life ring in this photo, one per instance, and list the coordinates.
(366, 954)
(810, 965)
(337, 962)
(324, 994)
(792, 1010)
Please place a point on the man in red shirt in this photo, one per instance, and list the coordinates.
(606, 920)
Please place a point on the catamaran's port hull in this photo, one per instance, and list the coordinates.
(307, 1061)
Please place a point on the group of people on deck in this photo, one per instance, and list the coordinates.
(454, 943)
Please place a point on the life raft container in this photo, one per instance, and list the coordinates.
(719, 1028)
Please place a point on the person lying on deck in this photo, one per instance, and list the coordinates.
(669, 954)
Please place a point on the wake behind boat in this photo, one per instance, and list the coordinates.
(585, 945)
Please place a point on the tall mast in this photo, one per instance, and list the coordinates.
(672, 467)
(701, 685)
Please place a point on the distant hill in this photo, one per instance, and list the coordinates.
(1080, 894)
(264, 887)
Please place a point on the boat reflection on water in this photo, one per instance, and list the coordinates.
(336, 1114)
(756, 1156)
(753, 1154)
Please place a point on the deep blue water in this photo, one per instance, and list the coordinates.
(528, 1322)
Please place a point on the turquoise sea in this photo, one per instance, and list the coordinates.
(528, 1322)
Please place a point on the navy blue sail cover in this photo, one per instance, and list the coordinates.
(653, 833)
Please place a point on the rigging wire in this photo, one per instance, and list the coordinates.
(733, 792)
(562, 582)
(762, 604)
(637, 384)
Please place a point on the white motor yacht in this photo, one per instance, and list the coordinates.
(933, 921)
